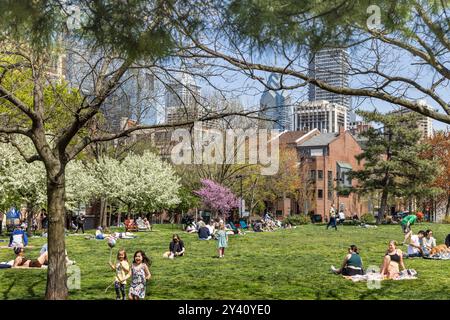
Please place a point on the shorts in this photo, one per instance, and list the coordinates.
(352, 272)
(405, 228)
(35, 264)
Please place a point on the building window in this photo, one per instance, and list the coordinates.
(343, 170)
(319, 174)
(330, 185)
(316, 152)
(320, 194)
(312, 175)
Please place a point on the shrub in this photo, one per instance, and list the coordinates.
(367, 218)
(297, 219)
(446, 220)
(351, 222)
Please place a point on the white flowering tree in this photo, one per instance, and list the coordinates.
(139, 182)
(21, 182)
(83, 185)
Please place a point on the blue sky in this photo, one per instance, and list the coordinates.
(249, 91)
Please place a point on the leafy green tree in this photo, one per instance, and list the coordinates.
(392, 159)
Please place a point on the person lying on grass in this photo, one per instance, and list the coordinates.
(392, 261)
(352, 264)
(22, 262)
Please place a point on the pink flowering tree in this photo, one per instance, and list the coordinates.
(218, 198)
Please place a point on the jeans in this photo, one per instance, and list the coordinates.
(120, 290)
(414, 255)
(332, 223)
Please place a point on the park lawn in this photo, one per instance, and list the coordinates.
(285, 264)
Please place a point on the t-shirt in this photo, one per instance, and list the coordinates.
(122, 270)
(410, 218)
(210, 228)
(176, 246)
(415, 240)
(203, 233)
(332, 212)
(354, 261)
(429, 242)
(341, 215)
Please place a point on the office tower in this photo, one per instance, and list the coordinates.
(424, 123)
(323, 115)
(275, 107)
(331, 66)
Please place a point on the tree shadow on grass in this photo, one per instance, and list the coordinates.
(31, 286)
(8, 290)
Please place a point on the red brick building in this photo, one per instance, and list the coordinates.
(327, 158)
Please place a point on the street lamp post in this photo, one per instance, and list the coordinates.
(240, 208)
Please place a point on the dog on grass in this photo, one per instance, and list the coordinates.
(442, 248)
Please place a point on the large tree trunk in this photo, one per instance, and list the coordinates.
(383, 205)
(447, 209)
(56, 274)
(103, 221)
(29, 219)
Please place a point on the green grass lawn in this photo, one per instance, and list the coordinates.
(285, 264)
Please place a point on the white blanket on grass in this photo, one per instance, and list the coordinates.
(409, 274)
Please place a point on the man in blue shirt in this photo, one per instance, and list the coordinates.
(18, 237)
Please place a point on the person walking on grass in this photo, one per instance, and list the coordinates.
(122, 268)
(81, 219)
(222, 238)
(332, 220)
(140, 274)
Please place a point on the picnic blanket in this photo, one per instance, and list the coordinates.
(8, 247)
(9, 264)
(439, 256)
(409, 274)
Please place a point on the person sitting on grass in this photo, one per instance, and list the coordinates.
(257, 226)
(352, 264)
(415, 247)
(203, 233)
(18, 237)
(392, 262)
(176, 248)
(147, 224)
(429, 241)
(22, 262)
(192, 228)
(211, 227)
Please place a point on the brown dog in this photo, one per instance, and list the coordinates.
(442, 248)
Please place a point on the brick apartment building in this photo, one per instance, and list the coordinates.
(326, 159)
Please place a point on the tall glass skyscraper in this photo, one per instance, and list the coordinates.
(331, 66)
(275, 107)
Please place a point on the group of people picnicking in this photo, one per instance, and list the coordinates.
(139, 224)
(422, 244)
